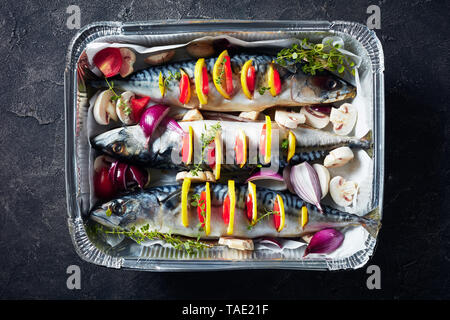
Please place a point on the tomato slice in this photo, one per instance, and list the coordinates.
(228, 76)
(211, 154)
(184, 89)
(137, 106)
(201, 208)
(251, 79)
(249, 204)
(226, 210)
(262, 141)
(276, 82)
(109, 61)
(205, 83)
(277, 215)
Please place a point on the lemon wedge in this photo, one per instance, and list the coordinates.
(218, 147)
(231, 193)
(208, 210)
(219, 74)
(244, 85)
(304, 217)
(291, 145)
(198, 77)
(184, 201)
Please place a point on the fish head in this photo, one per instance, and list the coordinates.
(128, 143)
(323, 87)
(126, 212)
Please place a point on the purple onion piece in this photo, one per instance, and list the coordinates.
(287, 178)
(152, 117)
(137, 176)
(171, 124)
(120, 180)
(305, 181)
(268, 179)
(324, 241)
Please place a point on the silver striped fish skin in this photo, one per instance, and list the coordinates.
(160, 208)
(297, 88)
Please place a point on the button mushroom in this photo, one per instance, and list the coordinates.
(104, 108)
(128, 60)
(343, 119)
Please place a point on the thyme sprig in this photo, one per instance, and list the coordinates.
(117, 97)
(197, 202)
(262, 90)
(144, 233)
(266, 214)
(171, 77)
(219, 78)
(285, 144)
(316, 57)
(206, 138)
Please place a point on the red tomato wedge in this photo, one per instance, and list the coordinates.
(226, 210)
(185, 88)
(201, 208)
(205, 83)
(262, 141)
(251, 79)
(279, 214)
(211, 154)
(137, 106)
(276, 215)
(249, 203)
(109, 61)
(228, 76)
(276, 82)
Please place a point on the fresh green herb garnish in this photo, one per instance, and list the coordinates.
(219, 78)
(144, 233)
(116, 97)
(206, 138)
(262, 90)
(171, 77)
(316, 57)
(268, 213)
(285, 144)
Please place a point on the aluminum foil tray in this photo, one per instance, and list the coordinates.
(358, 38)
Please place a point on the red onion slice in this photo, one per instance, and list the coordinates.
(171, 124)
(268, 179)
(287, 178)
(152, 117)
(305, 181)
(324, 241)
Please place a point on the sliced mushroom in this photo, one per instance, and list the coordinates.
(250, 115)
(128, 58)
(342, 191)
(192, 115)
(104, 108)
(236, 243)
(200, 49)
(201, 176)
(338, 157)
(123, 108)
(314, 118)
(343, 119)
(159, 58)
(289, 119)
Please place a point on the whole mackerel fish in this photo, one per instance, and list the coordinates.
(297, 88)
(129, 144)
(160, 209)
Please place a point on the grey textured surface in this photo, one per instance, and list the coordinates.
(35, 245)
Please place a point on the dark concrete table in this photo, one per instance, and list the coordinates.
(35, 245)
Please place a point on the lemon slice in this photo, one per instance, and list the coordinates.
(162, 88)
(252, 193)
(184, 201)
(198, 77)
(271, 81)
(304, 217)
(244, 85)
(268, 139)
(208, 210)
(232, 195)
(218, 147)
(281, 212)
(291, 143)
(187, 158)
(219, 74)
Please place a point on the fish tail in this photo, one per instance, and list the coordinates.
(371, 222)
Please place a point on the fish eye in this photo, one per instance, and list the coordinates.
(331, 84)
(117, 208)
(117, 147)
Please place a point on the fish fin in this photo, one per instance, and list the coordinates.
(371, 222)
